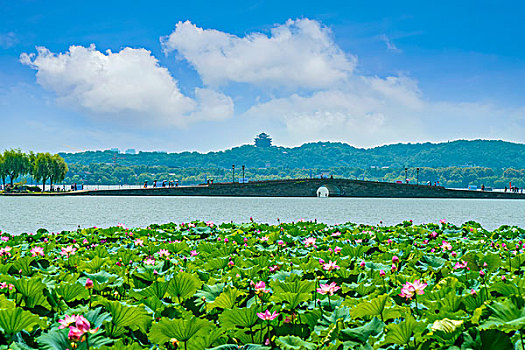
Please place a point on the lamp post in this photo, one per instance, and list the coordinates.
(417, 172)
(233, 173)
(243, 174)
(406, 175)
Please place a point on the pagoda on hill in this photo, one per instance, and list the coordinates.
(263, 140)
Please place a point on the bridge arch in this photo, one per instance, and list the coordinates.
(329, 190)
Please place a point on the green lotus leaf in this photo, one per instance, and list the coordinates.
(402, 333)
(244, 347)
(72, 291)
(227, 299)
(291, 342)
(243, 317)
(183, 286)
(156, 289)
(361, 334)
(506, 316)
(181, 330)
(6, 303)
(55, 340)
(373, 307)
(93, 265)
(292, 285)
(14, 320)
(208, 294)
(123, 315)
(293, 299)
(434, 263)
(32, 291)
(24, 264)
(103, 278)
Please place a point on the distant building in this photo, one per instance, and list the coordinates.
(131, 151)
(263, 140)
(115, 150)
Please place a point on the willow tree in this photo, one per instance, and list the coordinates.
(42, 168)
(3, 170)
(16, 164)
(57, 169)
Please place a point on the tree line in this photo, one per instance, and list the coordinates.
(478, 153)
(454, 177)
(43, 167)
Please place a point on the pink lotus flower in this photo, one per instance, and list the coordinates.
(260, 287)
(433, 234)
(362, 264)
(331, 265)
(310, 241)
(66, 321)
(68, 251)
(409, 289)
(194, 253)
(5, 239)
(395, 259)
(89, 284)
(337, 250)
(75, 334)
(336, 234)
(267, 316)
(321, 261)
(264, 239)
(81, 327)
(443, 221)
(328, 288)
(446, 246)
(281, 243)
(163, 253)
(460, 265)
(274, 268)
(149, 261)
(231, 263)
(226, 240)
(5, 251)
(393, 268)
(482, 273)
(139, 242)
(382, 273)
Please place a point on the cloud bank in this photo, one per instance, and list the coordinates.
(129, 85)
(307, 89)
(298, 54)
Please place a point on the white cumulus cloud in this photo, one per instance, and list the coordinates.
(298, 54)
(129, 85)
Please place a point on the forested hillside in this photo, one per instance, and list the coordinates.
(482, 153)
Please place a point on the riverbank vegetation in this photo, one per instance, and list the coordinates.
(41, 167)
(302, 285)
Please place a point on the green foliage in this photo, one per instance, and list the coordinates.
(198, 302)
(14, 320)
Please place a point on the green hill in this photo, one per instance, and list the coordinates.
(482, 153)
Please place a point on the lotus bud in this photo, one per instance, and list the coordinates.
(362, 264)
(482, 273)
(89, 284)
(395, 259)
(382, 273)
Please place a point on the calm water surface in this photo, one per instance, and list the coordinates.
(27, 214)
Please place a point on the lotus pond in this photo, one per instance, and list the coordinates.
(304, 285)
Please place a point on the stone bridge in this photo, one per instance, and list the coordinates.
(307, 188)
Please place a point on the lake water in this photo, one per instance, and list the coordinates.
(27, 214)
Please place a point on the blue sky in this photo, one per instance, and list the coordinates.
(211, 75)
